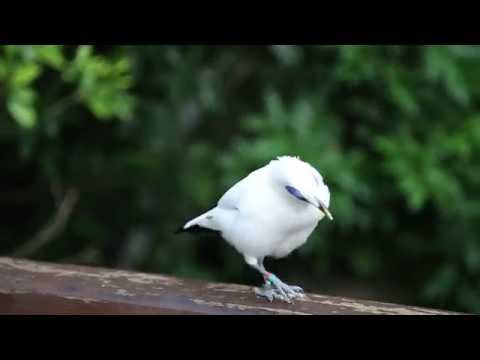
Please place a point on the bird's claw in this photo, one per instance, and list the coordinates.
(271, 294)
(279, 291)
(297, 289)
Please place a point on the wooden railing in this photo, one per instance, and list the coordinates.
(29, 287)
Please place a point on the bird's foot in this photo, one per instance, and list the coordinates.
(270, 293)
(274, 288)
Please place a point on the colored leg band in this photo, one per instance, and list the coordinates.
(270, 278)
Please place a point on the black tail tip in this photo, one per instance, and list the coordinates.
(196, 229)
(180, 230)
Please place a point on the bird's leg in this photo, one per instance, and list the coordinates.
(267, 276)
(291, 291)
(268, 291)
(273, 288)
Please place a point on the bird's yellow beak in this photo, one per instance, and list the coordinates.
(325, 210)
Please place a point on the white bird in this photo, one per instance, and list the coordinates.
(269, 213)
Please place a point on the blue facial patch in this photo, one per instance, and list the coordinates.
(295, 193)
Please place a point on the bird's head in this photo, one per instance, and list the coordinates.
(301, 181)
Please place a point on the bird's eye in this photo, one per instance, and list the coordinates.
(295, 192)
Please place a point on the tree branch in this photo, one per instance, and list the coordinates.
(52, 228)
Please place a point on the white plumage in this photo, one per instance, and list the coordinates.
(271, 212)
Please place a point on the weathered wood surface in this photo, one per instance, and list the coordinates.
(28, 287)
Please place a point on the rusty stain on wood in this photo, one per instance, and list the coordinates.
(30, 287)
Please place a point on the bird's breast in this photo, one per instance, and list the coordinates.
(267, 223)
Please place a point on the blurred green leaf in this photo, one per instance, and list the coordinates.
(20, 104)
(24, 75)
(52, 55)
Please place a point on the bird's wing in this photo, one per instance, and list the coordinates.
(233, 196)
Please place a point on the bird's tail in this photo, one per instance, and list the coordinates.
(201, 224)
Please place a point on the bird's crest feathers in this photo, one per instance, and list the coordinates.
(294, 162)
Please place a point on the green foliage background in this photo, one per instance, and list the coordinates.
(148, 136)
